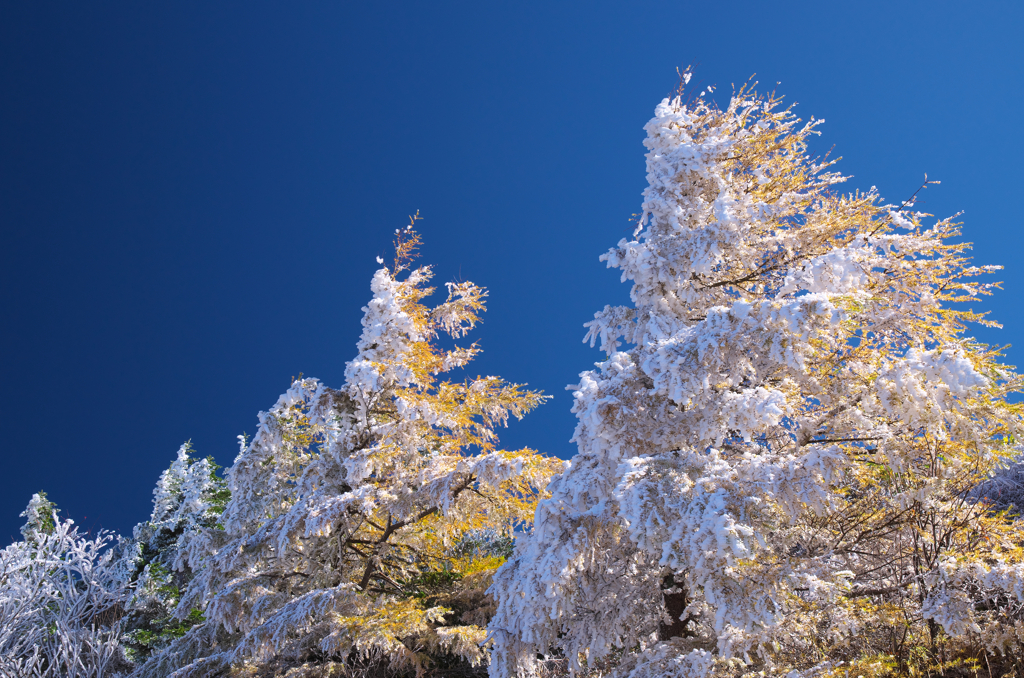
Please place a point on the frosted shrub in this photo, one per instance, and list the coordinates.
(61, 600)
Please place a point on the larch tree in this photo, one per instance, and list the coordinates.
(782, 459)
(351, 507)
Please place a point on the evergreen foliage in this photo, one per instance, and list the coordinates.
(188, 496)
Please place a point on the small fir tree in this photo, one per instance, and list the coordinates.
(188, 496)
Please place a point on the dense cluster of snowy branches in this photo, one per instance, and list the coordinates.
(791, 461)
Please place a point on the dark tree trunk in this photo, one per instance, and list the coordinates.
(675, 605)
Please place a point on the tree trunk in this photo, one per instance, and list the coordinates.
(675, 605)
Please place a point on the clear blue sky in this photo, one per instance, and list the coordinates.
(192, 194)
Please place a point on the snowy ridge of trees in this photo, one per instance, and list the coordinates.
(792, 460)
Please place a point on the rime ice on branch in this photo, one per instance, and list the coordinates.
(346, 498)
(776, 456)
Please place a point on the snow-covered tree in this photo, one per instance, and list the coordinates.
(61, 600)
(350, 506)
(188, 496)
(777, 455)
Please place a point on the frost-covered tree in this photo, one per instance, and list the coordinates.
(353, 509)
(188, 496)
(61, 600)
(776, 458)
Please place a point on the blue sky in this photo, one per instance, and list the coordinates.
(192, 195)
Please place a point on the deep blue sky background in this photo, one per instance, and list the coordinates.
(192, 194)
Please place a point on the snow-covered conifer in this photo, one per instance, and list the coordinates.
(38, 517)
(777, 455)
(188, 496)
(349, 504)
